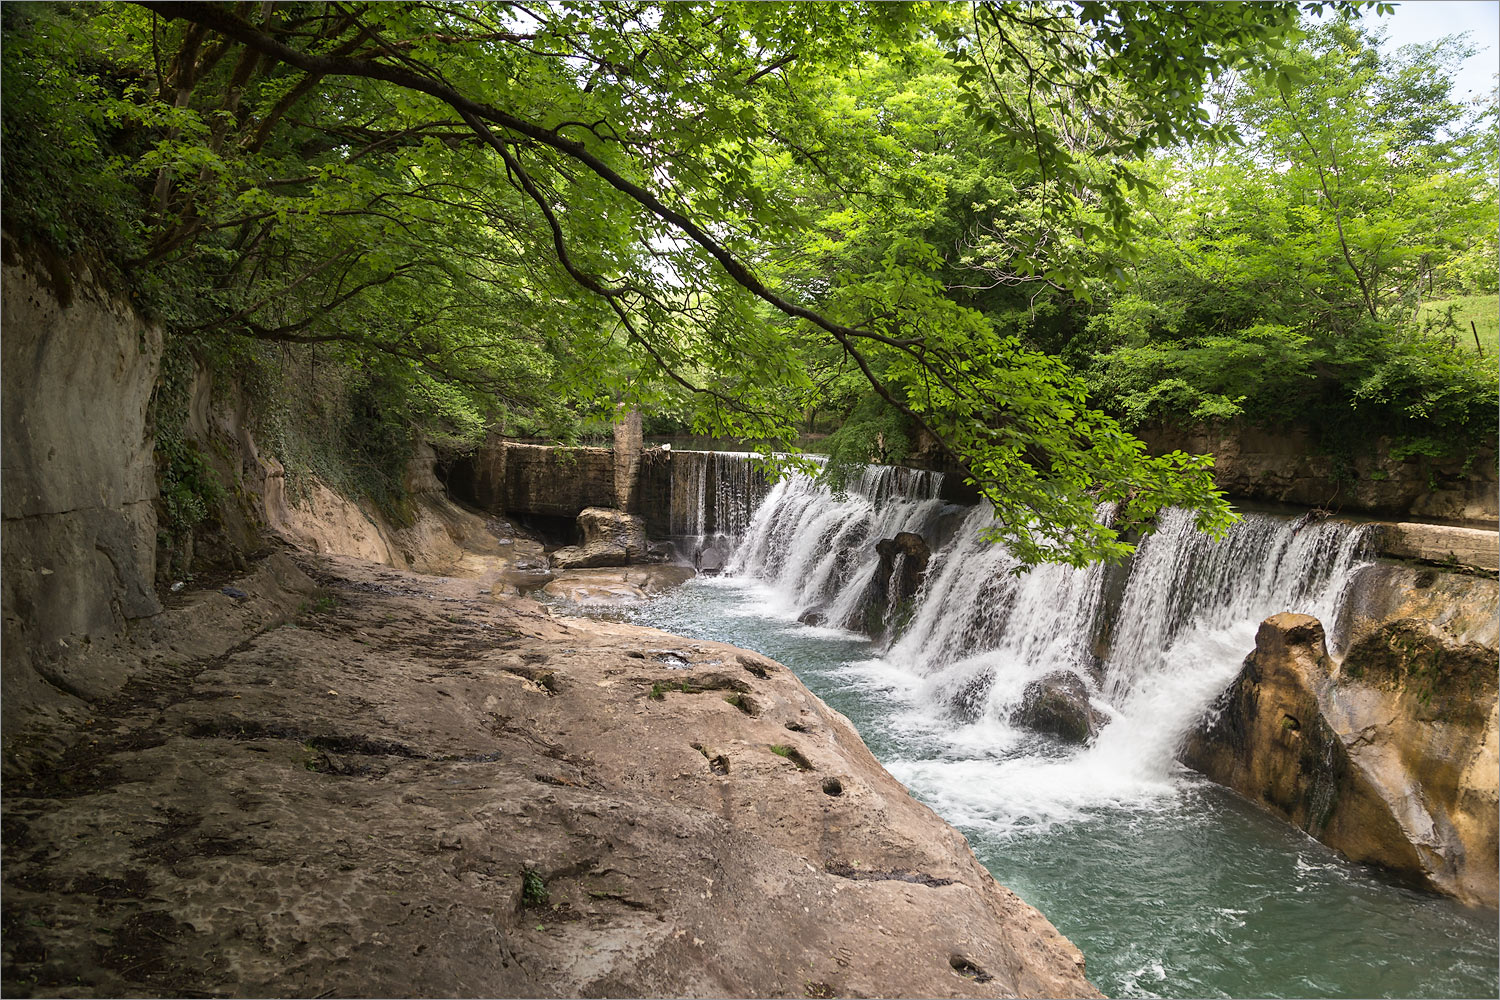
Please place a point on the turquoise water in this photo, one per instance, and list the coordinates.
(1171, 886)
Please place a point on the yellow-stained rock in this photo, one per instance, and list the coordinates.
(1388, 757)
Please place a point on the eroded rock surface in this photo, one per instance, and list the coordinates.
(1389, 757)
(411, 787)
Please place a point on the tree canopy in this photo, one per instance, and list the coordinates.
(730, 212)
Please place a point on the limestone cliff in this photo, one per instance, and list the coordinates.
(1282, 465)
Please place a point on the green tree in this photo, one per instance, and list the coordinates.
(577, 198)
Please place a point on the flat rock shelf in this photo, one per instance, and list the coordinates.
(403, 785)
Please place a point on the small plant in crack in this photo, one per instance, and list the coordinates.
(533, 888)
(792, 754)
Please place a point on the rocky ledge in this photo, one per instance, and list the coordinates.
(1388, 756)
(388, 784)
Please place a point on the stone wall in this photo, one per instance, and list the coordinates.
(78, 477)
(540, 479)
(1282, 466)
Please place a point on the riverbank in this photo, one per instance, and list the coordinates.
(335, 778)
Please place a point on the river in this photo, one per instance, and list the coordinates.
(1172, 886)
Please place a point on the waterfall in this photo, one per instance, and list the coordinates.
(1153, 641)
(710, 498)
(817, 550)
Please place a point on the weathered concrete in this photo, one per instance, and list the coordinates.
(629, 444)
(417, 790)
(513, 478)
(1475, 548)
(1390, 757)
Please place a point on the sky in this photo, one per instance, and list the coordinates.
(1429, 20)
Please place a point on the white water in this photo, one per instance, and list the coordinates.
(1152, 663)
(817, 550)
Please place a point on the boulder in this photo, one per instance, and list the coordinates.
(610, 538)
(605, 526)
(1058, 705)
(1390, 757)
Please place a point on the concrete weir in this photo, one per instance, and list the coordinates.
(517, 478)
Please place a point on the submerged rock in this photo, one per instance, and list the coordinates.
(1389, 758)
(1058, 705)
(626, 585)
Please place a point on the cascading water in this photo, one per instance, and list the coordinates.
(711, 498)
(1171, 885)
(981, 633)
(817, 549)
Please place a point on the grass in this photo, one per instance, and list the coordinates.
(1451, 317)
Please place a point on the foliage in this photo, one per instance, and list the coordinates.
(1281, 280)
(1451, 319)
(190, 490)
(735, 213)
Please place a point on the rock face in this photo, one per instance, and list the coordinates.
(1058, 705)
(1283, 466)
(1464, 605)
(78, 480)
(1390, 758)
(421, 790)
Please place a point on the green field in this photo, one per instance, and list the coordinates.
(1482, 310)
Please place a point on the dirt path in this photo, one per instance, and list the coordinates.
(390, 784)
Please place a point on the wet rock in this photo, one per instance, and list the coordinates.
(812, 617)
(1058, 705)
(1389, 758)
(903, 563)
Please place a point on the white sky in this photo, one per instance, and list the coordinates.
(1429, 20)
